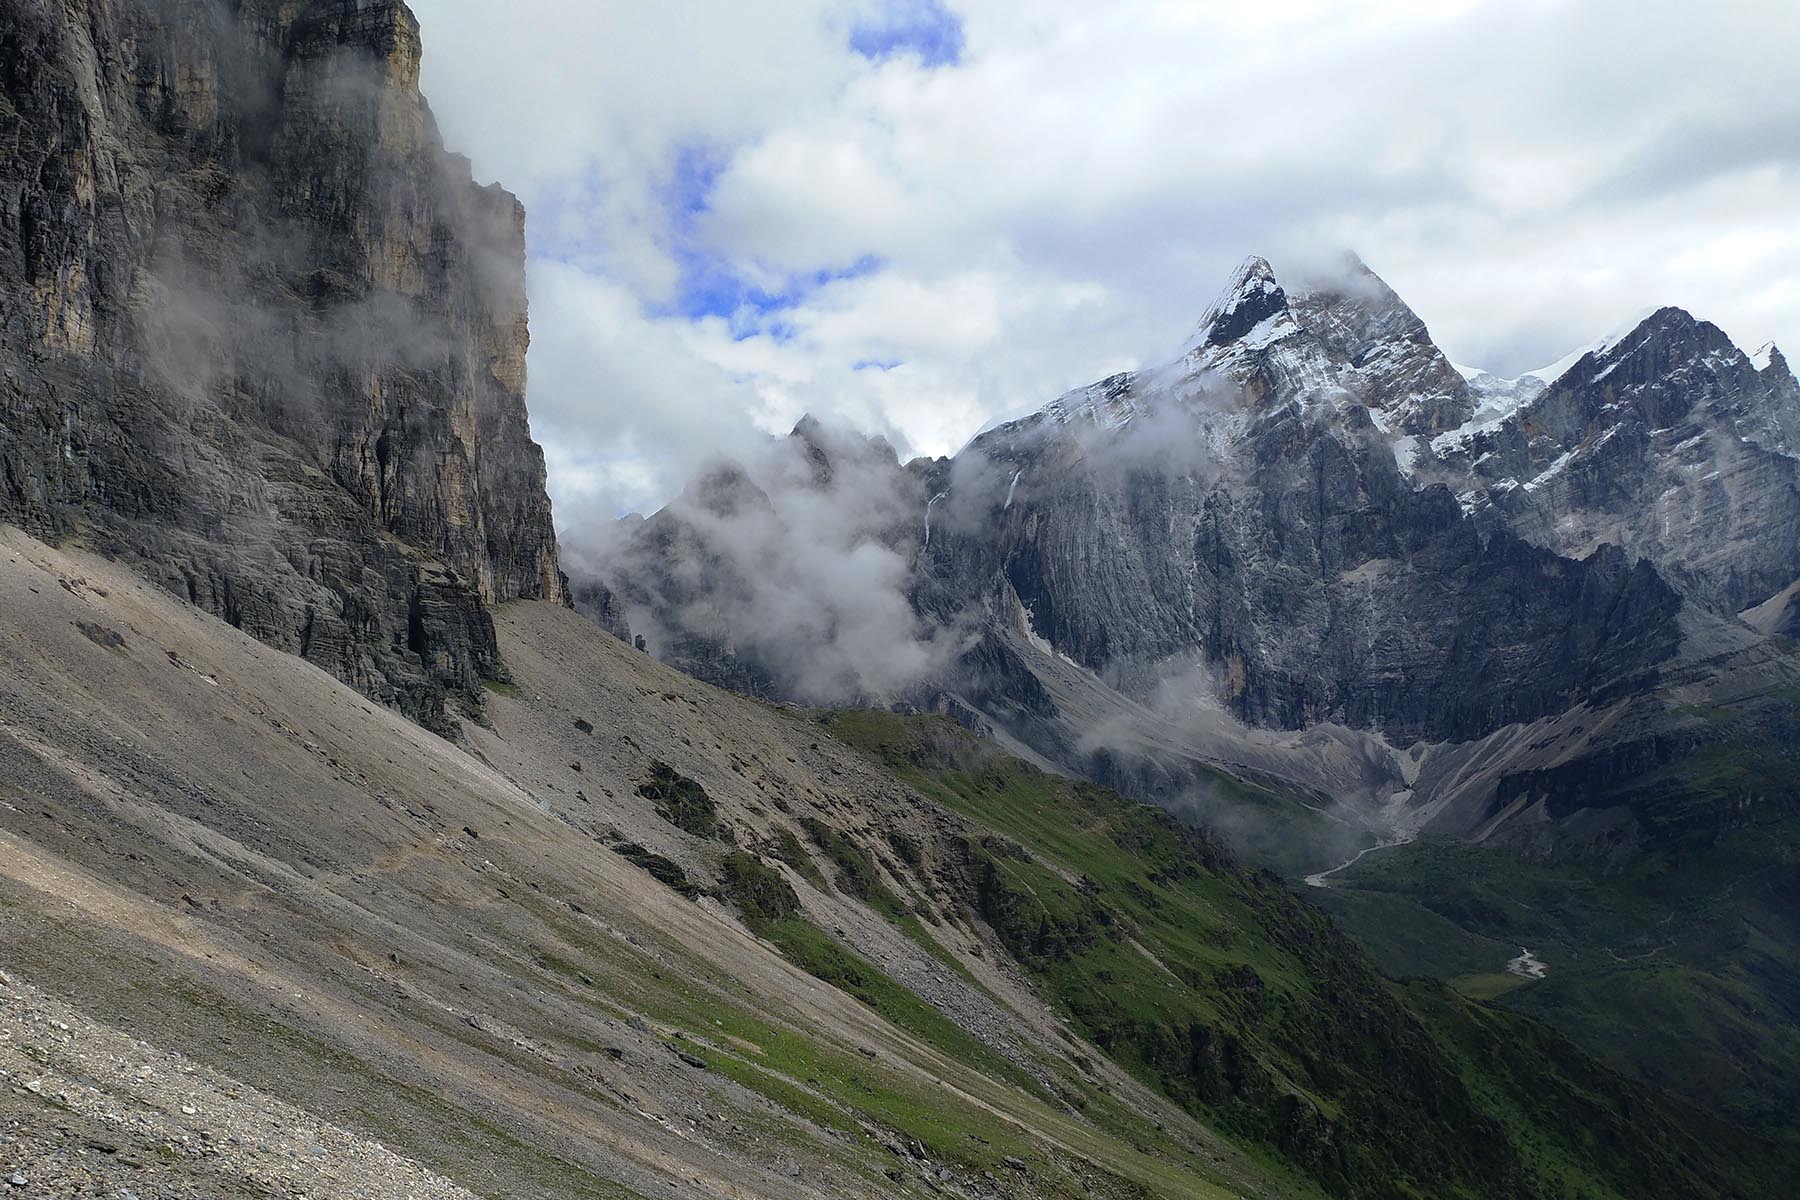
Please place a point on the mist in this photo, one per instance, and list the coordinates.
(792, 562)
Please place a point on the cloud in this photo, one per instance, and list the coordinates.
(795, 557)
(918, 214)
(922, 28)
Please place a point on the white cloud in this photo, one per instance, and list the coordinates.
(950, 242)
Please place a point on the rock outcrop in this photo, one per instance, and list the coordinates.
(263, 337)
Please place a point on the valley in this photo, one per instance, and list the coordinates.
(1301, 769)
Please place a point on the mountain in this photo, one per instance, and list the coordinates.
(1306, 522)
(340, 856)
(1320, 588)
(264, 337)
(1669, 443)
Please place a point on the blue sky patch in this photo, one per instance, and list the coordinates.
(922, 27)
(710, 283)
(712, 287)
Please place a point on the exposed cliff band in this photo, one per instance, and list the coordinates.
(263, 336)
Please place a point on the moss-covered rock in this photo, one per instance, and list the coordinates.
(680, 801)
(757, 889)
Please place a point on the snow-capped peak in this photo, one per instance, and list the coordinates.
(1251, 304)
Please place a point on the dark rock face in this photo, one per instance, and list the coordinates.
(1669, 443)
(262, 335)
(1286, 543)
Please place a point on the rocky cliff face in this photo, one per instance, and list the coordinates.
(1249, 505)
(263, 336)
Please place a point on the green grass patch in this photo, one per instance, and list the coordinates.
(664, 870)
(1489, 986)
(784, 845)
(680, 801)
(857, 874)
(1248, 1006)
(760, 893)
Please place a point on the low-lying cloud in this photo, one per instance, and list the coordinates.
(793, 559)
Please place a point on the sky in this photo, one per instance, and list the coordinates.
(915, 216)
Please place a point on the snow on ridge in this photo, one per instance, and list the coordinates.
(1560, 367)
(1254, 270)
(1604, 346)
(1496, 400)
(1269, 330)
(1561, 462)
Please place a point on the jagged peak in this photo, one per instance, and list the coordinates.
(823, 447)
(1768, 356)
(832, 439)
(1252, 297)
(1354, 280)
(725, 490)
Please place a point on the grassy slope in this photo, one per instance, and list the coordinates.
(1247, 1006)
(266, 873)
(1682, 965)
(1688, 977)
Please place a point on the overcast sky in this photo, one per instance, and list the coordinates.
(915, 215)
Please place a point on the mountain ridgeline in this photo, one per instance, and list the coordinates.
(392, 875)
(1314, 505)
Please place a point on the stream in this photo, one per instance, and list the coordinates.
(1319, 878)
(1528, 965)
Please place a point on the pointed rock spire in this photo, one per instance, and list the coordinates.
(1252, 297)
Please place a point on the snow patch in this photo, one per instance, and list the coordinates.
(1561, 462)
(1108, 404)
(1268, 331)
(1496, 400)
(1406, 452)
